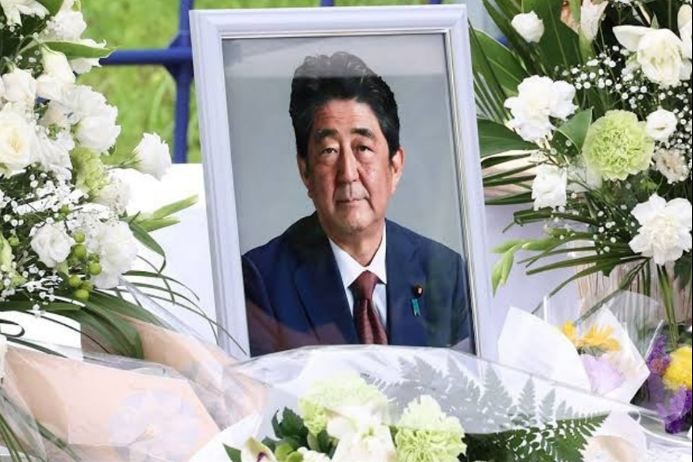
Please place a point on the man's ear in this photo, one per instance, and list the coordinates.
(303, 169)
(397, 167)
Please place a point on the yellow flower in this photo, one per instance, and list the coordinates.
(599, 338)
(570, 331)
(679, 373)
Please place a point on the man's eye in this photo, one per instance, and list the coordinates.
(363, 148)
(328, 150)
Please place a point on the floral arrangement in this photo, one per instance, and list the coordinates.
(66, 238)
(346, 419)
(589, 119)
(669, 384)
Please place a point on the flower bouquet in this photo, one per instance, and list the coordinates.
(587, 116)
(371, 404)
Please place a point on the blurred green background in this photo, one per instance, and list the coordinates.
(145, 95)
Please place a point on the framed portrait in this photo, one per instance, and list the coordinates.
(343, 178)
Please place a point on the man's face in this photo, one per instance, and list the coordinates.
(348, 172)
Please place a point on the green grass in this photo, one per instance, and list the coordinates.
(145, 95)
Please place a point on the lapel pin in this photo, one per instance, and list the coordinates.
(417, 291)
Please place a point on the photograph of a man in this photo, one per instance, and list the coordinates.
(346, 274)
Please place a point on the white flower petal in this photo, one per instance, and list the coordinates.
(629, 36)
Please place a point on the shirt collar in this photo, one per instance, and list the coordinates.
(350, 269)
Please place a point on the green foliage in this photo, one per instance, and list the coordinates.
(495, 138)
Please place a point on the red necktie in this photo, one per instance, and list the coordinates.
(368, 325)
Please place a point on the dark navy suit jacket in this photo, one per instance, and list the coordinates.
(295, 296)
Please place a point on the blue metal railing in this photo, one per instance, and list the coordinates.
(177, 59)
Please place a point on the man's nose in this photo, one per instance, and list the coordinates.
(347, 168)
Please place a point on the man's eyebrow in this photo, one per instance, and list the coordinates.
(324, 133)
(368, 133)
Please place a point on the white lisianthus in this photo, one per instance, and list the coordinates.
(254, 451)
(312, 456)
(57, 76)
(16, 140)
(14, 8)
(152, 156)
(20, 87)
(660, 53)
(116, 247)
(529, 26)
(672, 164)
(54, 154)
(115, 195)
(549, 187)
(369, 444)
(99, 132)
(591, 15)
(661, 124)
(68, 25)
(84, 65)
(539, 99)
(52, 244)
(665, 229)
(685, 20)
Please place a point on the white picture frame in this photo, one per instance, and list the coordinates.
(214, 32)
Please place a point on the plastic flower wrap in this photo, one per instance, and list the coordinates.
(423, 405)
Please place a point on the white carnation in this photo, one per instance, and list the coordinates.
(16, 140)
(116, 247)
(20, 87)
(665, 229)
(55, 115)
(539, 99)
(54, 154)
(152, 156)
(312, 456)
(14, 8)
(57, 76)
(549, 187)
(661, 124)
(115, 195)
(68, 25)
(672, 164)
(529, 26)
(52, 244)
(369, 444)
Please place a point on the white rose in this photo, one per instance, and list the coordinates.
(658, 52)
(99, 131)
(67, 25)
(591, 15)
(56, 78)
(549, 187)
(115, 195)
(539, 99)
(661, 124)
(13, 9)
(116, 247)
(52, 244)
(369, 444)
(152, 156)
(665, 229)
(16, 139)
(685, 21)
(54, 154)
(20, 87)
(529, 26)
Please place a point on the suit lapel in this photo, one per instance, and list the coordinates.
(405, 327)
(320, 287)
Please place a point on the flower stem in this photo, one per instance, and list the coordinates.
(667, 295)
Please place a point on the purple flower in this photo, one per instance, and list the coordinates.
(658, 360)
(604, 377)
(677, 412)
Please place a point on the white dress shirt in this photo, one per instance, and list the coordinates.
(350, 269)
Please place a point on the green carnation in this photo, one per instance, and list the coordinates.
(426, 434)
(617, 145)
(328, 399)
(89, 170)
